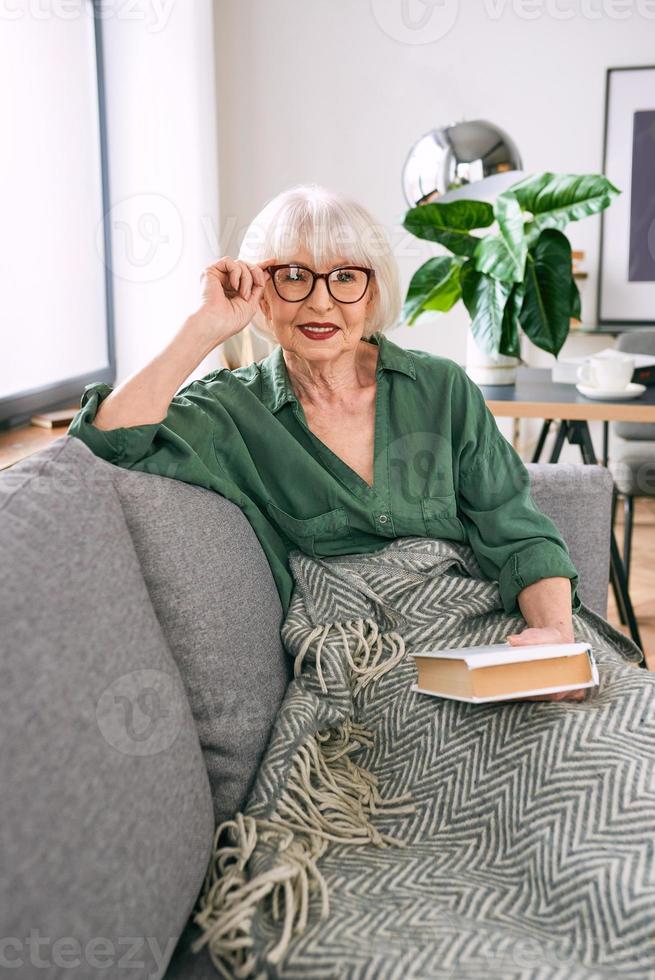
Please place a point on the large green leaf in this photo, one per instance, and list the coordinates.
(556, 199)
(434, 286)
(509, 334)
(546, 308)
(446, 293)
(485, 299)
(450, 223)
(503, 255)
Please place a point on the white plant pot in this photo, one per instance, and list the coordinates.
(486, 369)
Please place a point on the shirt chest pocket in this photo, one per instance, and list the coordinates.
(440, 517)
(320, 536)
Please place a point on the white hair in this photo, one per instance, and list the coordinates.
(328, 224)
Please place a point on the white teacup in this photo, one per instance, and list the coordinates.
(612, 373)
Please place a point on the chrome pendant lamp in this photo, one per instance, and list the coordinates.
(470, 159)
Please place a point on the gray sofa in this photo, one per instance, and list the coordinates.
(142, 668)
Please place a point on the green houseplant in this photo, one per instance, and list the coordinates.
(518, 275)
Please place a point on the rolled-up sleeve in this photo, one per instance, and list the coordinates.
(180, 446)
(514, 542)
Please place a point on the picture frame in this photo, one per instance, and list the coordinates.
(626, 272)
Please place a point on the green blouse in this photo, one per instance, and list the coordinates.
(442, 467)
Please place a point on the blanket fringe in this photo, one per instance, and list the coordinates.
(328, 797)
(366, 661)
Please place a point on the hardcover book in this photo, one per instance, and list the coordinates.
(500, 671)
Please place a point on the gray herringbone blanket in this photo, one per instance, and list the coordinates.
(398, 836)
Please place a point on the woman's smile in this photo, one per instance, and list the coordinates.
(318, 331)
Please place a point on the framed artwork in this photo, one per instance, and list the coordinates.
(626, 274)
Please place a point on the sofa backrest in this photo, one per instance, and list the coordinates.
(578, 498)
(106, 817)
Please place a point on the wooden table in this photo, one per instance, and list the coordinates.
(535, 396)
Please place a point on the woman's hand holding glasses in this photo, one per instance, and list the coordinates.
(231, 291)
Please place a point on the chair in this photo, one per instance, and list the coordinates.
(633, 458)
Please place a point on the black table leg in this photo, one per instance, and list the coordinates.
(622, 585)
(616, 591)
(562, 433)
(615, 588)
(542, 439)
(582, 435)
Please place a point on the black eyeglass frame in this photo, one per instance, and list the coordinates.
(272, 269)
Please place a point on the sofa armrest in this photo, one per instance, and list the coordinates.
(578, 498)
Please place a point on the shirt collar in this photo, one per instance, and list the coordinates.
(276, 387)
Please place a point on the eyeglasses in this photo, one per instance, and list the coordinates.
(295, 282)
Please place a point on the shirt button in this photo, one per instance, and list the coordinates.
(383, 518)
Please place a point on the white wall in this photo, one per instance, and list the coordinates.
(371, 85)
(163, 170)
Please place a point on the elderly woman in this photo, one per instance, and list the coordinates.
(339, 440)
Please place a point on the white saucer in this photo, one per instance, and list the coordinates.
(632, 391)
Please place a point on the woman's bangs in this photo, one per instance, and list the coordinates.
(326, 236)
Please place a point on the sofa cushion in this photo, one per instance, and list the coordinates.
(215, 597)
(106, 820)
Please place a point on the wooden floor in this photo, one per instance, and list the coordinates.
(642, 574)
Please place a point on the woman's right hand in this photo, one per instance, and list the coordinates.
(231, 291)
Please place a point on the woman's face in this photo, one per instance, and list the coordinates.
(285, 320)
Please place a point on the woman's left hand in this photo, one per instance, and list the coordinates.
(545, 634)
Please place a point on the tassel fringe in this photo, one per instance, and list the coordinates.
(327, 797)
(365, 661)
